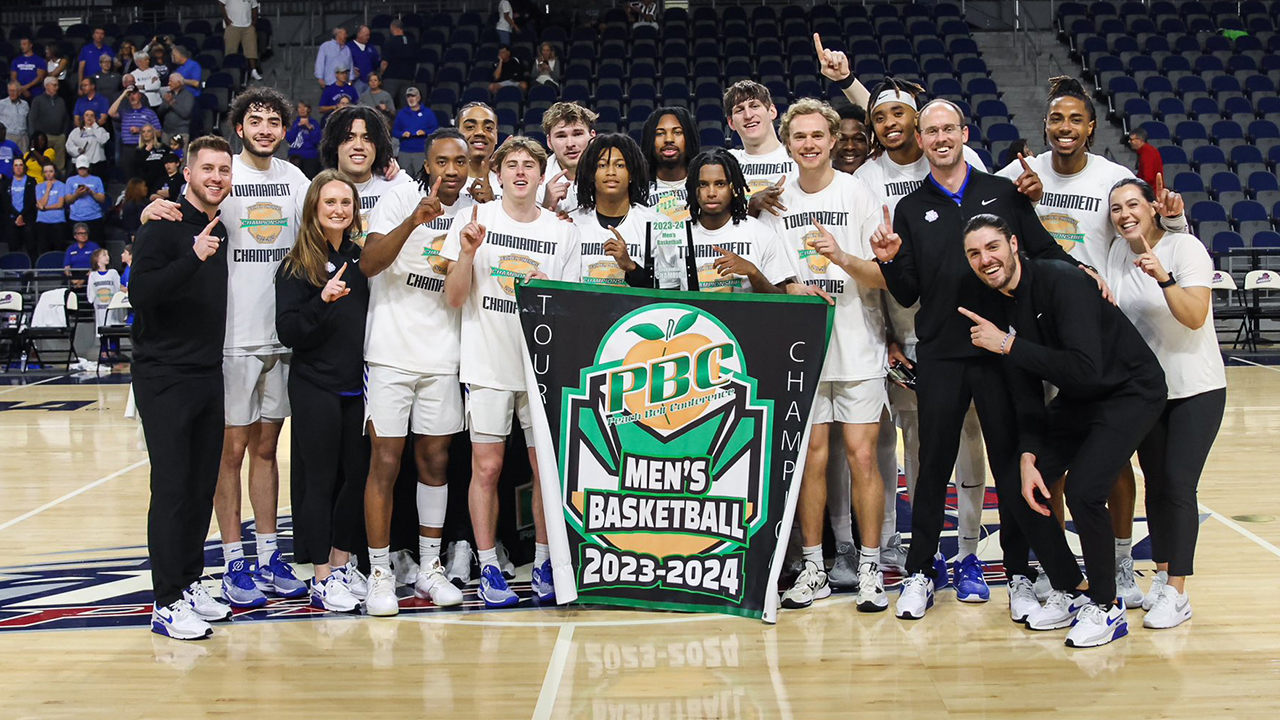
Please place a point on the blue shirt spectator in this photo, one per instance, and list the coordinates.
(57, 191)
(93, 50)
(413, 125)
(332, 54)
(86, 207)
(134, 114)
(329, 98)
(91, 100)
(188, 68)
(8, 151)
(365, 57)
(79, 255)
(18, 192)
(304, 141)
(28, 67)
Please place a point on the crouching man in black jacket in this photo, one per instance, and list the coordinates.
(1111, 390)
(179, 296)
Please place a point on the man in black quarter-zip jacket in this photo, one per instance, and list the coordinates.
(922, 258)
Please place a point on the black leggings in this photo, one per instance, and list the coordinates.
(1091, 442)
(330, 462)
(1172, 457)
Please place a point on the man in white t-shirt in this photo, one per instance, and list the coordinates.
(262, 217)
(897, 166)
(357, 141)
(750, 112)
(1071, 187)
(412, 347)
(478, 123)
(488, 252)
(506, 22)
(568, 127)
(669, 141)
(825, 229)
(615, 224)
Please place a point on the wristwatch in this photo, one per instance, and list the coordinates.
(1168, 283)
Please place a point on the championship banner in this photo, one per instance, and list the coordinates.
(671, 439)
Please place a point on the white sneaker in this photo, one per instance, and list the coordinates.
(404, 567)
(178, 621)
(381, 600)
(1057, 612)
(871, 596)
(333, 595)
(1170, 610)
(1022, 598)
(457, 563)
(892, 554)
(916, 597)
(357, 584)
(1158, 584)
(811, 585)
(431, 584)
(1043, 586)
(507, 567)
(203, 604)
(255, 74)
(1126, 586)
(1095, 626)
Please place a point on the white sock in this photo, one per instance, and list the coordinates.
(1124, 548)
(541, 554)
(428, 550)
(813, 555)
(488, 557)
(842, 527)
(968, 546)
(380, 557)
(869, 555)
(266, 546)
(232, 551)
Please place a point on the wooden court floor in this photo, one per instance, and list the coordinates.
(73, 489)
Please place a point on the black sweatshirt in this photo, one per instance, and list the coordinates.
(1069, 335)
(327, 339)
(931, 265)
(179, 302)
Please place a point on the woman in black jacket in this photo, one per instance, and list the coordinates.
(322, 299)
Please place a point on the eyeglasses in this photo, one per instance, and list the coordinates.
(82, 232)
(933, 130)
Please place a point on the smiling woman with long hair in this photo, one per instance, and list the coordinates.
(322, 299)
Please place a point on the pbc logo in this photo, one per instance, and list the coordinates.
(1265, 278)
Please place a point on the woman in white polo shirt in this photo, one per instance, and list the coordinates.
(1161, 282)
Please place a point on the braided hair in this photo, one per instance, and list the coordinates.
(600, 145)
(1064, 86)
(732, 171)
(886, 85)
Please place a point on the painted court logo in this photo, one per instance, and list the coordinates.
(264, 221)
(677, 508)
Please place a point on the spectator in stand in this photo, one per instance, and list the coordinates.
(149, 158)
(85, 196)
(191, 72)
(643, 12)
(399, 58)
(49, 116)
(126, 259)
(1150, 163)
(332, 55)
(412, 126)
(508, 71)
(546, 69)
(365, 58)
(13, 115)
(304, 141)
(103, 284)
(506, 22)
(9, 151)
(134, 199)
(37, 155)
(132, 112)
(158, 54)
(339, 88)
(28, 70)
(178, 146)
(147, 79)
(181, 104)
(90, 100)
(22, 210)
(78, 257)
(89, 141)
(171, 187)
(90, 53)
(108, 80)
(378, 98)
(51, 218)
(125, 60)
(58, 66)
(240, 31)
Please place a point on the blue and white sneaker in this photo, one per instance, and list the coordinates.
(915, 597)
(971, 586)
(238, 587)
(494, 590)
(1058, 611)
(179, 621)
(1095, 626)
(277, 577)
(203, 604)
(544, 588)
(941, 577)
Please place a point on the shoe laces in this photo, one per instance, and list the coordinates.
(972, 570)
(241, 575)
(493, 576)
(810, 575)
(1124, 572)
(434, 568)
(869, 576)
(917, 583)
(1020, 585)
(382, 579)
(1091, 613)
(1058, 600)
(279, 567)
(199, 593)
(1162, 601)
(351, 573)
(180, 610)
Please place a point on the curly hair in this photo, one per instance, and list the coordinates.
(888, 84)
(690, 128)
(732, 170)
(266, 98)
(338, 126)
(600, 145)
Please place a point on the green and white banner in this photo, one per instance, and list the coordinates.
(671, 438)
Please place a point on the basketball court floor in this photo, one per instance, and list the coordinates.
(74, 605)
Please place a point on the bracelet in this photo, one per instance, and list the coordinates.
(1004, 344)
(1168, 283)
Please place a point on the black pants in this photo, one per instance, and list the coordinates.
(329, 466)
(182, 419)
(51, 237)
(1172, 457)
(944, 389)
(1091, 442)
(20, 239)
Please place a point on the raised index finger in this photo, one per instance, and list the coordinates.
(971, 315)
(475, 213)
(338, 275)
(617, 234)
(887, 220)
(1146, 245)
(1159, 183)
(435, 186)
(817, 44)
(209, 228)
(1022, 159)
(819, 226)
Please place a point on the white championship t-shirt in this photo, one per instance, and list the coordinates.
(261, 215)
(490, 318)
(410, 326)
(751, 239)
(601, 269)
(570, 202)
(761, 171)
(371, 191)
(849, 210)
(101, 287)
(1191, 359)
(493, 183)
(670, 199)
